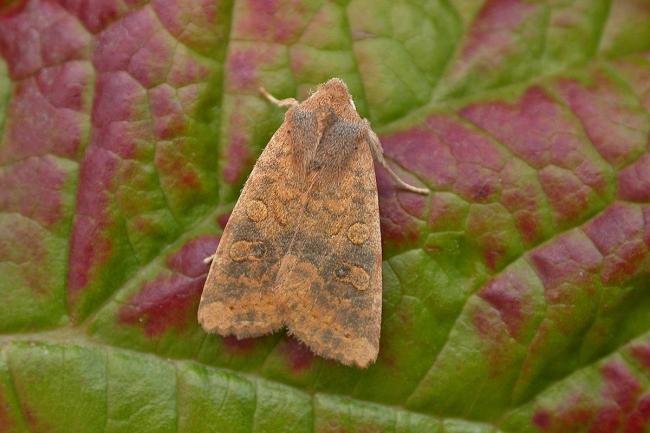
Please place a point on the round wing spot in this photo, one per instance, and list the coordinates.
(239, 251)
(359, 278)
(246, 250)
(354, 275)
(358, 233)
(256, 210)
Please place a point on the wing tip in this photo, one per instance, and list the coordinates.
(219, 318)
(358, 352)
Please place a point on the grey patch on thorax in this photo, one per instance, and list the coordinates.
(302, 134)
(338, 142)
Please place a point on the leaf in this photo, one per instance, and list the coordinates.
(516, 295)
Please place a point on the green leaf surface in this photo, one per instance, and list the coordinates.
(516, 294)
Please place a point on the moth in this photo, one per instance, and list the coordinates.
(302, 247)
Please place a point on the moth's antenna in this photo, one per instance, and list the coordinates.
(287, 102)
(378, 153)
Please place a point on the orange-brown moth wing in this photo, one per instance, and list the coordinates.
(240, 296)
(332, 274)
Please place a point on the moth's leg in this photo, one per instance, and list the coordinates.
(287, 102)
(378, 153)
(208, 259)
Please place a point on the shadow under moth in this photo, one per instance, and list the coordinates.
(302, 247)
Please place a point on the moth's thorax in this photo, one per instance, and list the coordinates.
(332, 97)
(323, 133)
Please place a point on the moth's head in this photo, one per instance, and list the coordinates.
(337, 92)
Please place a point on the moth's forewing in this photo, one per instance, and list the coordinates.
(335, 267)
